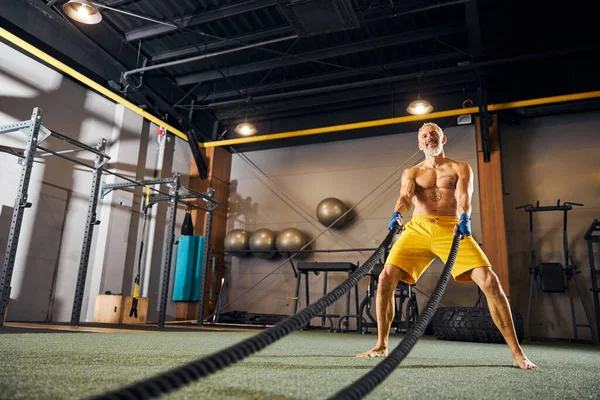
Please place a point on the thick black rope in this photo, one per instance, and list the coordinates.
(181, 376)
(364, 385)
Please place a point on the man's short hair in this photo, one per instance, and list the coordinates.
(431, 124)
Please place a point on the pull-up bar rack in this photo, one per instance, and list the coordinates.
(174, 197)
(36, 133)
(549, 277)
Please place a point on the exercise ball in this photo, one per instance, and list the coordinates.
(262, 240)
(290, 240)
(236, 240)
(331, 209)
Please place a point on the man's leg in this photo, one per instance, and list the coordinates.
(386, 285)
(489, 283)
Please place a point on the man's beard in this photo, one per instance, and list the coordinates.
(432, 152)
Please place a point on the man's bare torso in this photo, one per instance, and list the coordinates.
(434, 188)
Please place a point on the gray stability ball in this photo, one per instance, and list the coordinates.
(262, 240)
(290, 240)
(331, 209)
(236, 240)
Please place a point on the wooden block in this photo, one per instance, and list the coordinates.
(142, 310)
(108, 309)
(186, 311)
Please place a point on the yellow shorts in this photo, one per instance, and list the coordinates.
(426, 238)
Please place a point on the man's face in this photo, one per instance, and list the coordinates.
(431, 141)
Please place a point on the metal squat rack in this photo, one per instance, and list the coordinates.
(174, 196)
(36, 133)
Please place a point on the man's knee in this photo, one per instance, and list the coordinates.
(487, 280)
(389, 277)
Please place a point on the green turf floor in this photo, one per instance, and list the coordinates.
(303, 365)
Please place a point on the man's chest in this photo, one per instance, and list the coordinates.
(436, 178)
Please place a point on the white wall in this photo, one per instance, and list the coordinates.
(45, 272)
(357, 173)
(548, 159)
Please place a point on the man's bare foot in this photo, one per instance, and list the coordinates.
(524, 363)
(374, 352)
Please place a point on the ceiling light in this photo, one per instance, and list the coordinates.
(419, 107)
(83, 11)
(245, 129)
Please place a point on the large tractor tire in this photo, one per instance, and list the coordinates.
(471, 324)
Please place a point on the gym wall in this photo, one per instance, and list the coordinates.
(45, 272)
(546, 159)
(349, 170)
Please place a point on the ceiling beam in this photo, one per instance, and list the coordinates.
(334, 76)
(207, 55)
(474, 31)
(219, 44)
(331, 52)
(445, 85)
(284, 30)
(466, 68)
(116, 3)
(384, 12)
(197, 19)
(371, 83)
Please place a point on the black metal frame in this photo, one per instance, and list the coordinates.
(590, 237)
(403, 321)
(289, 254)
(91, 221)
(570, 270)
(305, 268)
(174, 197)
(36, 133)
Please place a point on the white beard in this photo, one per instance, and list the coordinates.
(433, 152)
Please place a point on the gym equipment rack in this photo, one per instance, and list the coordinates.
(36, 134)
(174, 196)
(550, 277)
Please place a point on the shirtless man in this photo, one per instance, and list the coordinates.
(441, 190)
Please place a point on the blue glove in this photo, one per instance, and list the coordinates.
(394, 220)
(464, 225)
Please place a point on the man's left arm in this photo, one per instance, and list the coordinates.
(463, 194)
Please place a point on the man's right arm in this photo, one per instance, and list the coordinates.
(407, 191)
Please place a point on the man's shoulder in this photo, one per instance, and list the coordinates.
(463, 169)
(459, 165)
(412, 171)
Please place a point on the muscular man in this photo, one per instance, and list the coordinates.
(440, 189)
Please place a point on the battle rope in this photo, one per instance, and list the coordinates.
(178, 377)
(374, 377)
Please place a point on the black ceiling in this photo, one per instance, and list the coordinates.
(251, 60)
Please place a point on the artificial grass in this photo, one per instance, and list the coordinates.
(303, 365)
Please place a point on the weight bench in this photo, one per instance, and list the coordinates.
(326, 267)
